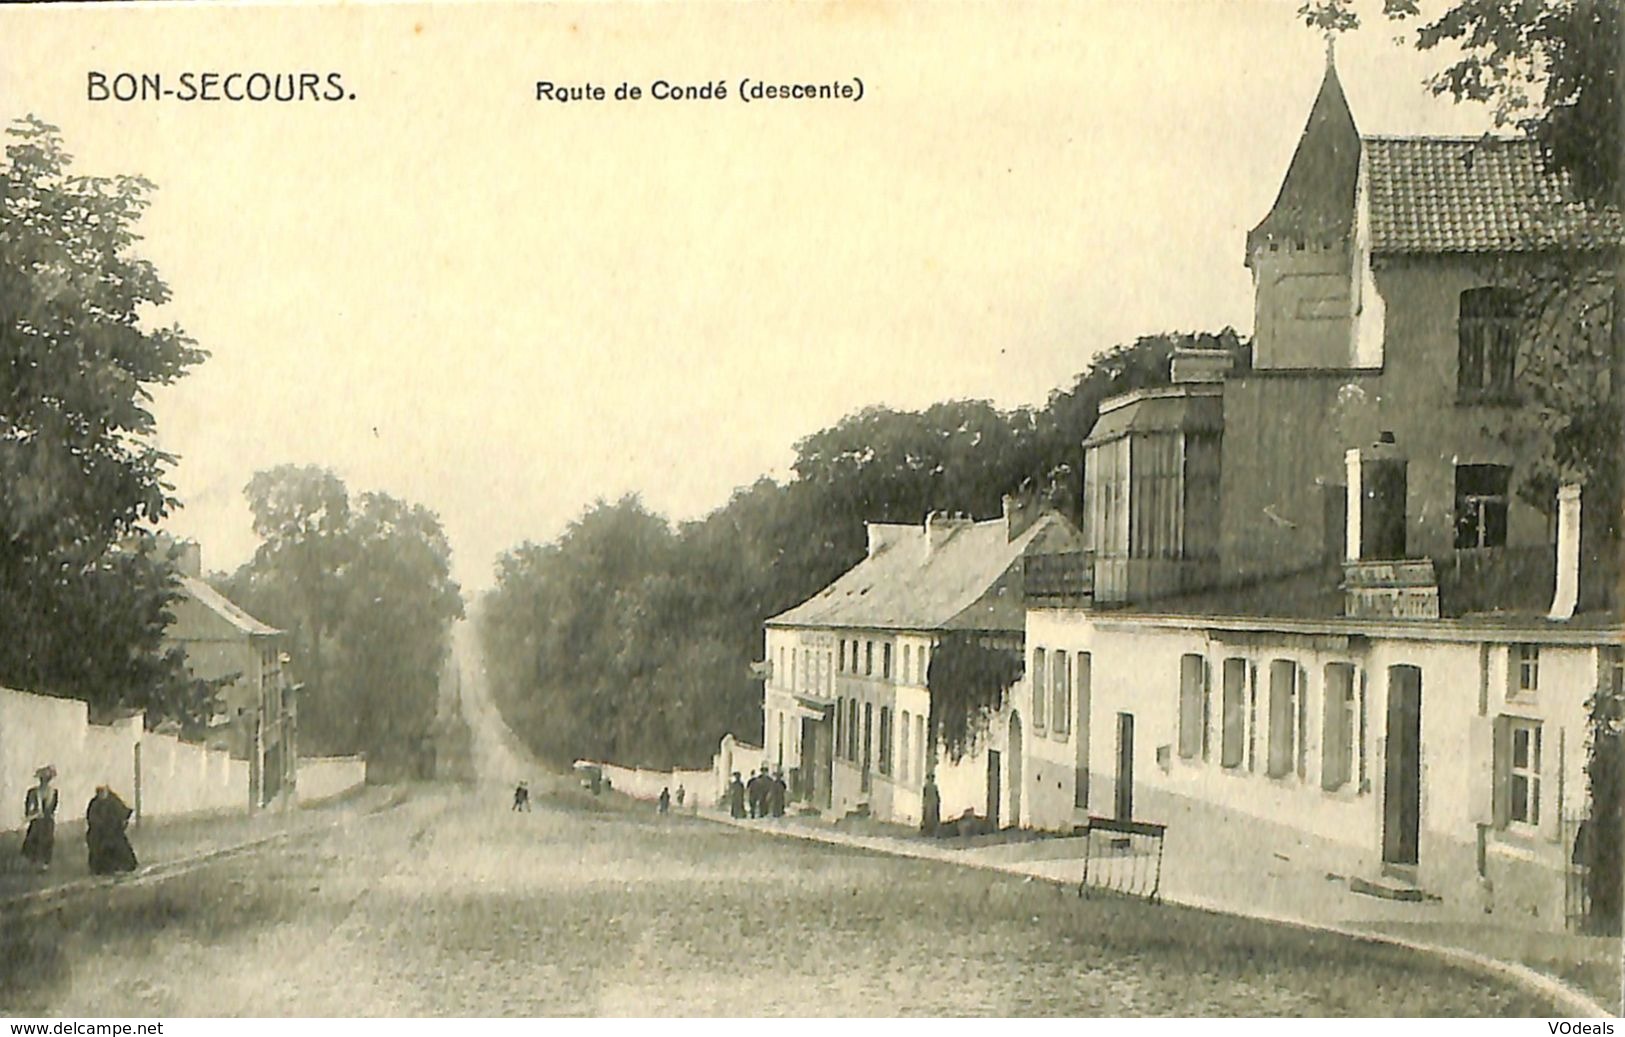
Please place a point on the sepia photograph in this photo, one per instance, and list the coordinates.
(751, 509)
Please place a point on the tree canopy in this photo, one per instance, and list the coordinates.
(83, 584)
(364, 589)
(629, 640)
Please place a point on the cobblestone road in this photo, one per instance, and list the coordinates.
(452, 905)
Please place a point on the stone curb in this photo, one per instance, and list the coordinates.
(1571, 1000)
(35, 902)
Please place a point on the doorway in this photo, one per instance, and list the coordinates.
(1013, 747)
(1125, 767)
(1402, 773)
(993, 789)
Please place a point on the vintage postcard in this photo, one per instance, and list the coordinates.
(858, 509)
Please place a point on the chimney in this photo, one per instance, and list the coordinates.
(1018, 516)
(1199, 365)
(189, 558)
(939, 526)
(1568, 553)
(1352, 498)
(874, 541)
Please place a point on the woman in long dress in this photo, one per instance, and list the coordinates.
(105, 819)
(39, 807)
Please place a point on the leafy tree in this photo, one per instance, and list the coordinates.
(83, 477)
(627, 640)
(365, 591)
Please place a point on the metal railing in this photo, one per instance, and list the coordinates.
(1123, 857)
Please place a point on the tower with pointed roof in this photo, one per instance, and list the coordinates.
(1302, 254)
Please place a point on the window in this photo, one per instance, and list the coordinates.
(868, 757)
(1487, 334)
(1191, 694)
(1524, 672)
(1517, 771)
(829, 673)
(840, 727)
(902, 748)
(843, 655)
(885, 739)
(1105, 498)
(1039, 684)
(868, 658)
(1337, 722)
(908, 658)
(1481, 505)
(1233, 743)
(1060, 714)
(782, 673)
(852, 730)
(919, 743)
(1612, 679)
(885, 660)
(925, 665)
(1283, 706)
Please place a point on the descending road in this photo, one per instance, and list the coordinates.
(499, 758)
(454, 905)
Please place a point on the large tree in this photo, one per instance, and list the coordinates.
(364, 589)
(83, 588)
(627, 640)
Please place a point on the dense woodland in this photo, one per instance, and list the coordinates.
(629, 639)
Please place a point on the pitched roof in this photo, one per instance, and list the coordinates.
(223, 607)
(964, 581)
(1475, 194)
(1316, 202)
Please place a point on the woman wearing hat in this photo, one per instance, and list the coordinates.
(39, 806)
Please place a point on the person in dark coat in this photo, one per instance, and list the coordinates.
(775, 794)
(39, 807)
(736, 797)
(106, 817)
(930, 806)
(521, 797)
(757, 788)
(665, 800)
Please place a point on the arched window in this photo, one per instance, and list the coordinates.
(1487, 335)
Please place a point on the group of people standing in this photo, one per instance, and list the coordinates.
(763, 795)
(106, 819)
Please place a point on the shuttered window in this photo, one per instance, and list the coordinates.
(1060, 713)
(1283, 714)
(1233, 744)
(1338, 727)
(1191, 706)
(1039, 685)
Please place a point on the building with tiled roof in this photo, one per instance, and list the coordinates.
(223, 643)
(1317, 602)
(845, 703)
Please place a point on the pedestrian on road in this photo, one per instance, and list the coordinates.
(521, 797)
(39, 807)
(105, 820)
(775, 794)
(665, 800)
(736, 797)
(682, 794)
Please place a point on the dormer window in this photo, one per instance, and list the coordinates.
(1481, 505)
(1487, 333)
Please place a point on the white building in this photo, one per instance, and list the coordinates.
(846, 707)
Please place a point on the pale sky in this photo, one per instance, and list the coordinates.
(504, 308)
